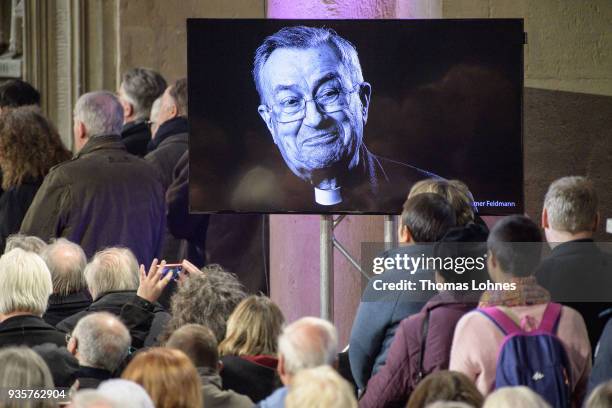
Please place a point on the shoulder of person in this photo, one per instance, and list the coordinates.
(63, 165)
(60, 174)
(152, 156)
(570, 314)
(474, 320)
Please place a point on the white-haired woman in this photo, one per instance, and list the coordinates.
(25, 285)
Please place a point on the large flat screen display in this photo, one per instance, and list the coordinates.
(344, 116)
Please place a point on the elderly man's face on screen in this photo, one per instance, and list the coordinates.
(314, 110)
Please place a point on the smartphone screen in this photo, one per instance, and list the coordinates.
(174, 269)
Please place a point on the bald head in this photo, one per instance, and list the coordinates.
(307, 343)
(97, 113)
(100, 340)
(66, 262)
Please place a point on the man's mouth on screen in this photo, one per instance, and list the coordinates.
(318, 139)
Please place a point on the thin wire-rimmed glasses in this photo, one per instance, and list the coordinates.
(291, 108)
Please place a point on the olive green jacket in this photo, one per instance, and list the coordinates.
(102, 197)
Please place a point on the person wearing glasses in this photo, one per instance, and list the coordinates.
(100, 342)
(315, 102)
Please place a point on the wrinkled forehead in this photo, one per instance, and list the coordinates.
(303, 69)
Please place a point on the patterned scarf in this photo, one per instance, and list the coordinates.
(527, 293)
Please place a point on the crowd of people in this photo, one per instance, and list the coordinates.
(88, 311)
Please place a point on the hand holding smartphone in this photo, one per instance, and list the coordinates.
(174, 269)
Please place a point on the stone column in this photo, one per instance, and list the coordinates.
(69, 48)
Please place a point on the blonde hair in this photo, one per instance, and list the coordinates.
(601, 396)
(22, 368)
(510, 397)
(454, 191)
(25, 283)
(253, 328)
(112, 269)
(320, 387)
(168, 376)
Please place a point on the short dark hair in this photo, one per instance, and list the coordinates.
(428, 217)
(15, 93)
(198, 342)
(516, 243)
(178, 92)
(142, 86)
(468, 241)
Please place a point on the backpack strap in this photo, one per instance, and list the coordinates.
(424, 331)
(501, 320)
(551, 317)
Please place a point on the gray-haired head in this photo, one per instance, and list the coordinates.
(303, 37)
(102, 341)
(571, 204)
(100, 112)
(66, 261)
(155, 108)
(155, 115)
(89, 398)
(141, 86)
(207, 298)
(25, 283)
(127, 394)
(307, 343)
(111, 269)
(22, 368)
(320, 387)
(28, 243)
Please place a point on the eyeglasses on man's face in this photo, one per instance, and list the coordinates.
(291, 106)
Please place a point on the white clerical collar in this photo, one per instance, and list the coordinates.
(328, 197)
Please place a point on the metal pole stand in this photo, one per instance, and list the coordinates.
(327, 244)
(327, 268)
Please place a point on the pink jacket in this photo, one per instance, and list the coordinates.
(477, 340)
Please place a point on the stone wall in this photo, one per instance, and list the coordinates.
(152, 33)
(569, 46)
(568, 95)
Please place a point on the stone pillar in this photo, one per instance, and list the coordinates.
(69, 48)
(294, 239)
